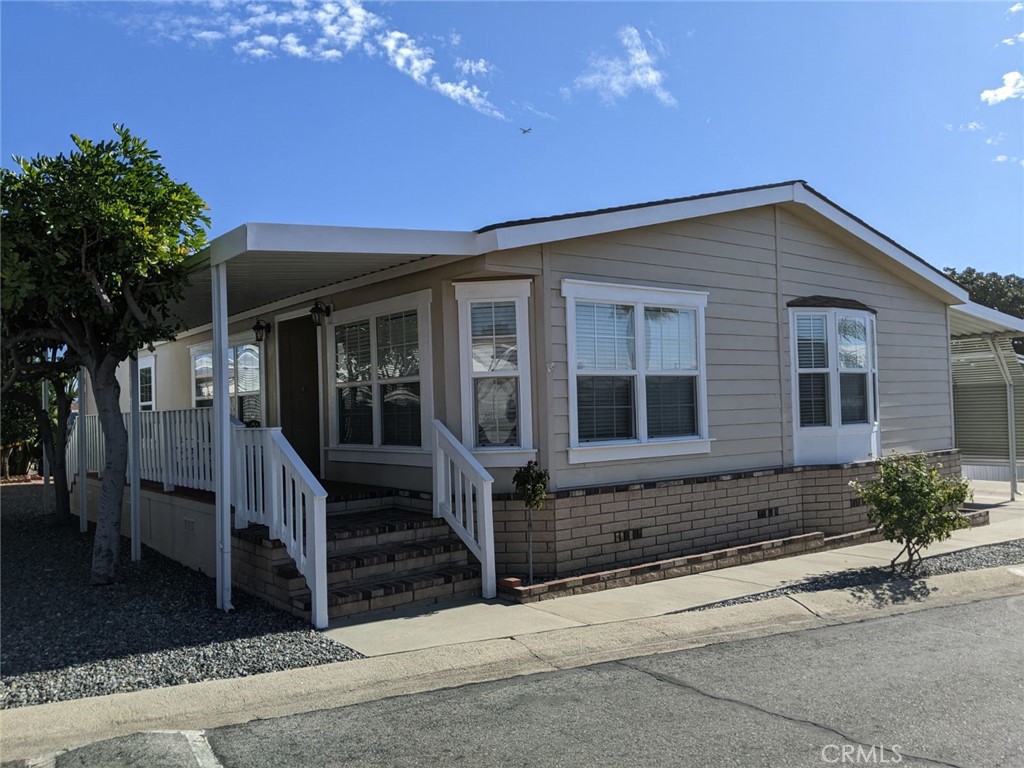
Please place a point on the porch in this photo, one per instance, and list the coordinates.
(323, 550)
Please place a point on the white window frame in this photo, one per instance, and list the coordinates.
(834, 439)
(517, 291)
(639, 297)
(401, 454)
(233, 341)
(150, 363)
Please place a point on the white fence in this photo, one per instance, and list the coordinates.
(273, 487)
(462, 496)
(270, 484)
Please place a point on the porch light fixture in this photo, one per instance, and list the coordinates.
(260, 329)
(319, 312)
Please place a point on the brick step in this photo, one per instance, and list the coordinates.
(420, 588)
(383, 561)
(370, 528)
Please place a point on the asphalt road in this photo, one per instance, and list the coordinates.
(938, 687)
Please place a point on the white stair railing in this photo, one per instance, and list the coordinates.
(462, 496)
(273, 487)
(71, 452)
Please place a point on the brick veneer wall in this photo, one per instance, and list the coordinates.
(590, 529)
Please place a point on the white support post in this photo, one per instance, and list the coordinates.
(134, 449)
(45, 468)
(221, 434)
(83, 447)
(1012, 424)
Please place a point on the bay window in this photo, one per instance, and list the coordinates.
(636, 371)
(835, 384)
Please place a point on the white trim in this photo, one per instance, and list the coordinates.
(518, 292)
(640, 297)
(419, 301)
(504, 457)
(804, 196)
(633, 294)
(148, 362)
(619, 451)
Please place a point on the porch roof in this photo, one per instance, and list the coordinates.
(280, 263)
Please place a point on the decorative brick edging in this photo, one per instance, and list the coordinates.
(513, 589)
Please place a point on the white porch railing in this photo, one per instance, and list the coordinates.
(462, 496)
(273, 487)
(270, 483)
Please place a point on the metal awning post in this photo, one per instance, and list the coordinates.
(1011, 421)
(45, 468)
(221, 433)
(134, 448)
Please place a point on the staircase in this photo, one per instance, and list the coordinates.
(378, 559)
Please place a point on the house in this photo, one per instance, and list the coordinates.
(695, 373)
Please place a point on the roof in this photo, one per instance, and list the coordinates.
(268, 264)
(973, 319)
(830, 302)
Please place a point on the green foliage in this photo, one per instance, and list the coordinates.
(19, 433)
(1002, 292)
(531, 484)
(913, 505)
(95, 246)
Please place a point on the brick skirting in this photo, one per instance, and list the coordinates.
(587, 530)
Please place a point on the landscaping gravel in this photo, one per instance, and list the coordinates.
(989, 556)
(61, 638)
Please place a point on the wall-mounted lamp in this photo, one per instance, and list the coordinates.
(319, 312)
(261, 329)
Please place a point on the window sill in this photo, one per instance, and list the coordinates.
(504, 457)
(626, 451)
(408, 457)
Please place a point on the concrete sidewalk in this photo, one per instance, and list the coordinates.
(456, 646)
(468, 622)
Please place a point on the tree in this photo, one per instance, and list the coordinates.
(96, 248)
(912, 504)
(25, 369)
(19, 434)
(1002, 292)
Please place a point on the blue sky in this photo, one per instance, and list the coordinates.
(910, 115)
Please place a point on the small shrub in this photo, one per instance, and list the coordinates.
(912, 504)
(531, 484)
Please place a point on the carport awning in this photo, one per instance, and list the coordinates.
(981, 351)
(267, 263)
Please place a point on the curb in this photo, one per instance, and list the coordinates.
(48, 728)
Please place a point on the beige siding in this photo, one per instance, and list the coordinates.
(913, 342)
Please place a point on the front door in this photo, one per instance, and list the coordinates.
(298, 375)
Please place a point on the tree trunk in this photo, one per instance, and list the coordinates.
(5, 456)
(62, 493)
(107, 544)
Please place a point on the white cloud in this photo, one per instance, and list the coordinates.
(527, 106)
(290, 44)
(470, 68)
(1016, 8)
(996, 140)
(1018, 38)
(324, 31)
(1012, 88)
(208, 36)
(1008, 159)
(616, 78)
(1000, 158)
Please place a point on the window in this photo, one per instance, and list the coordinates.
(147, 395)
(494, 340)
(835, 368)
(636, 371)
(380, 356)
(244, 380)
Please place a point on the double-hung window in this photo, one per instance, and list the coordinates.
(636, 371)
(245, 392)
(147, 391)
(380, 356)
(835, 384)
(494, 343)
